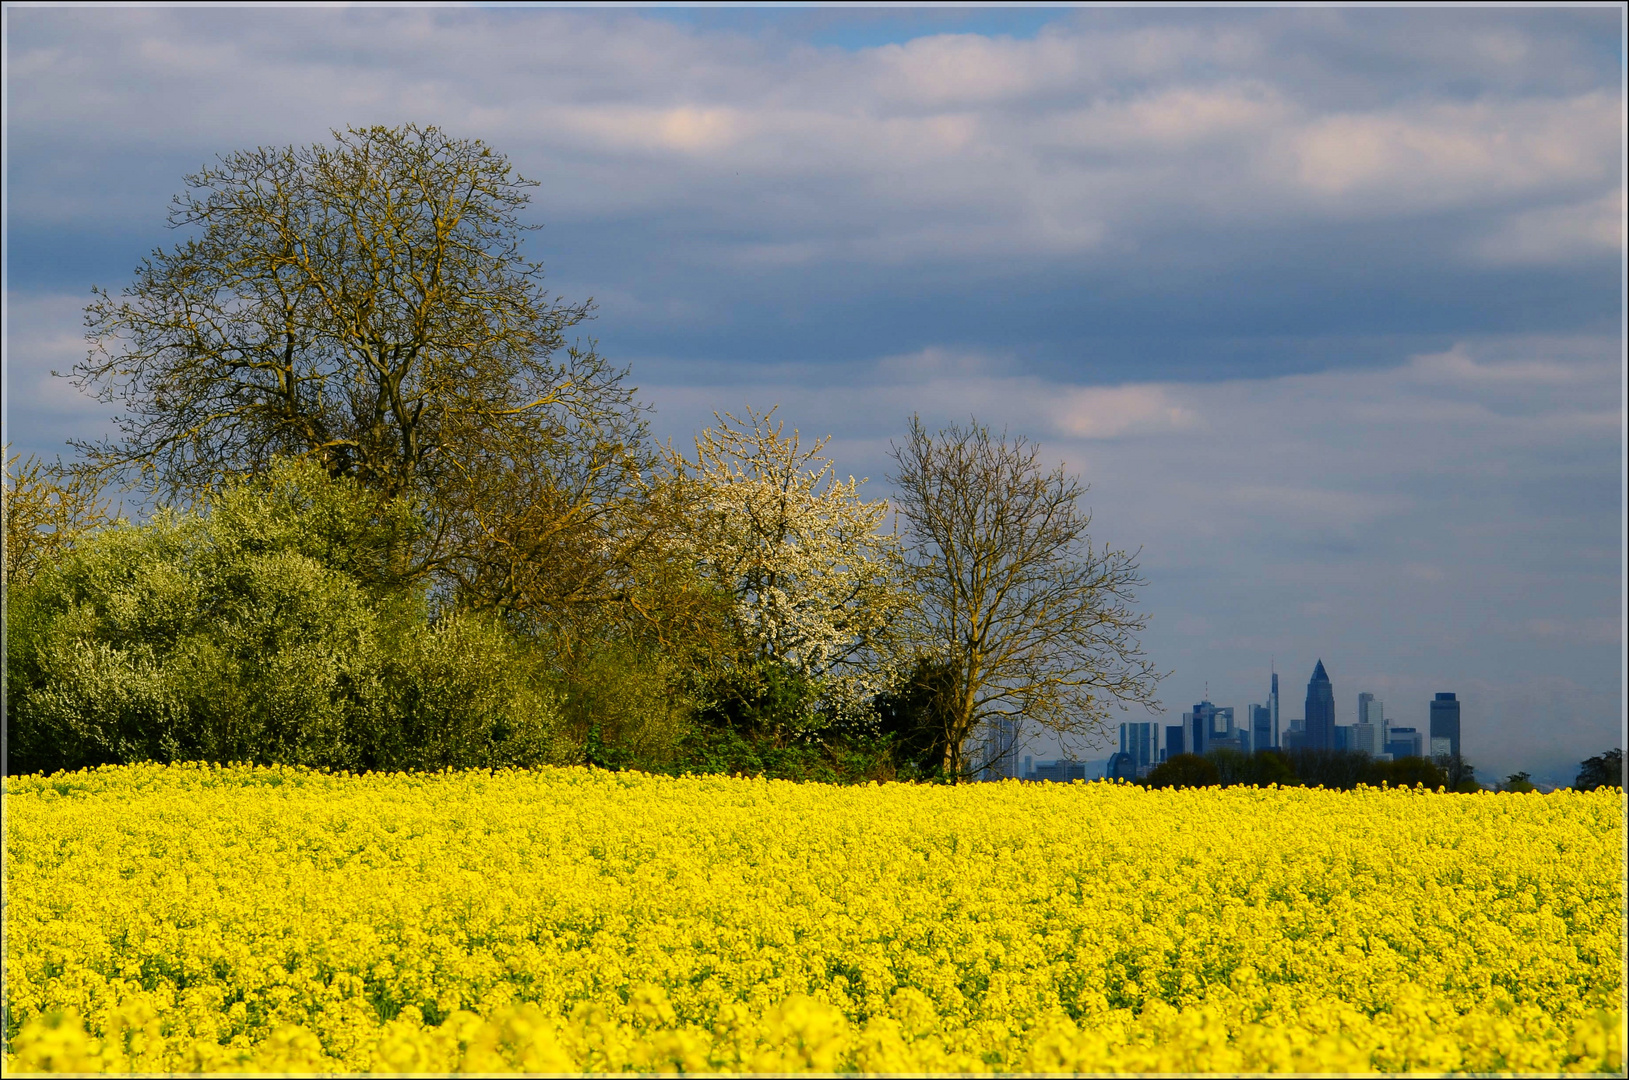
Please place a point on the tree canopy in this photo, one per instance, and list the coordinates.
(815, 586)
(366, 304)
(1034, 620)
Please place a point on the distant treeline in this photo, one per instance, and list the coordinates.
(1345, 770)
(1335, 769)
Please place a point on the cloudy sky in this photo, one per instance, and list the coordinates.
(1324, 304)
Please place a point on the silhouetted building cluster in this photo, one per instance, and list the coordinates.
(1208, 727)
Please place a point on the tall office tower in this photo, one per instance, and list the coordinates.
(1199, 722)
(1445, 724)
(1294, 736)
(1320, 710)
(1261, 727)
(1138, 741)
(1369, 733)
(1001, 749)
(1210, 727)
(1273, 704)
(1174, 742)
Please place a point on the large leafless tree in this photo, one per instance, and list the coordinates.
(1032, 623)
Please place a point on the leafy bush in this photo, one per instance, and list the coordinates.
(465, 691)
(268, 625)
(623, 705)
(152, 643)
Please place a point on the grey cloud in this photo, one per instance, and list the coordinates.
(952, 145)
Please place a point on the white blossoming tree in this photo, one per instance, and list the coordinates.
(816, 585)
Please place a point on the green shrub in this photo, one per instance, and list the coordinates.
(145, 643)
(465, 691)
(624, 705)
(270, 625)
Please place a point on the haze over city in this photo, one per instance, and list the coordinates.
(1325, 305)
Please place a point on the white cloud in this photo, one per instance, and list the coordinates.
(1453, 155)
(1116, 411)
(1554, 234)
(952, 144)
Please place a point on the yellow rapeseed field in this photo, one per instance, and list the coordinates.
(197, 918)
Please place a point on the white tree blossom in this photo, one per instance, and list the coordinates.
(817, 586)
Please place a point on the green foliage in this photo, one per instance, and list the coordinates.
(151, 643)
(1518, 782)
(1184, 770)
(1259, 769)
(623, 704)
(767, 701)
(465, 691)
(834, 759)
(260, 627)
(916, 719)
(336, 523)
(1603, 770)
(1409, 772)
(1335, 769)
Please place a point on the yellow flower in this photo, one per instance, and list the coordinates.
(203, 919)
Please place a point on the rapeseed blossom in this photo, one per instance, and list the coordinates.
(197, 918)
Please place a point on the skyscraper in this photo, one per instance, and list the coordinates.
(1261, 727)
(1139, 740)
(1273, 704)
(1209, 722)
(1320, 710)
(1001, 749)
(1402, 742)
(1369, 733)
(1445, 723)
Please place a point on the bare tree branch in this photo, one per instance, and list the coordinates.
(1034, 623)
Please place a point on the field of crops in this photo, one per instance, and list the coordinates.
(194, 918)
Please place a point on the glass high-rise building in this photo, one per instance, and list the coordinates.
(1402, 742)
(1320, 716)
(1263, 732)
(1261, 727)
(1001, 749)
(1209, 722)
(1140, 741)
(1445, 723)
(1369, 733)
(1272, 703)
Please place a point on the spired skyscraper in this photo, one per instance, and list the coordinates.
(1264, 721)
(1320, 723)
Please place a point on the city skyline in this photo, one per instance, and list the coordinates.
(1208, 726)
